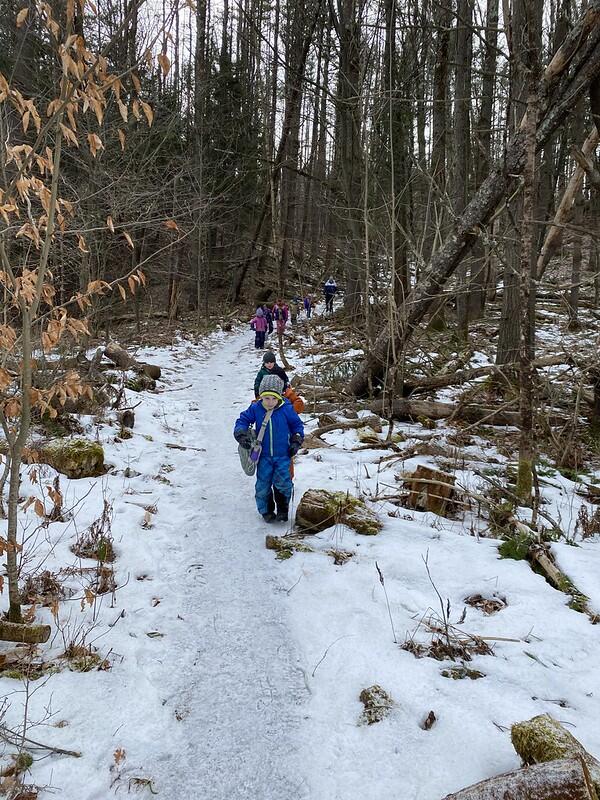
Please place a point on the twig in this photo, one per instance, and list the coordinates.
(14, 738)
(320, 661)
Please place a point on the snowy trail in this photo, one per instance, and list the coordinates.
(231, 674)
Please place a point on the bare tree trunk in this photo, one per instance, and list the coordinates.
(527, 278)
(462, 144)
(481, 255)
(349, 144)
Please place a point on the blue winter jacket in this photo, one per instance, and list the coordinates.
(283, 424)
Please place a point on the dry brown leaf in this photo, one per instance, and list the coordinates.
(122, 138)
(129, 239)
(110, 224)
(146, 108)
(122, 292)
(171, 224)
(22, 16)
(5, 379)
(165, 63)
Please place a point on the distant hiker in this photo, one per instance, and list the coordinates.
(307, 306)
(294, 309)
(270, 367)
(280, 315)
(280, 436)
(269, 318)
(329, 289)
(259, 326)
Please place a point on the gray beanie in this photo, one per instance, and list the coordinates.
(269, 357)
(272, 386)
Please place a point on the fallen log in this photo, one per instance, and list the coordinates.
(564, 779)
(373, 422)
(27, 634)
(115, 353)
(412, 385)
(413, 410)
(542, 739)
(75, 458)
(558, 92)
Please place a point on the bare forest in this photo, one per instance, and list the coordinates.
(165, 168)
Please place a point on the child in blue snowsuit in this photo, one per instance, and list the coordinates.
(282, 440)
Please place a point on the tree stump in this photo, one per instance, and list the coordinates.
(431, 490)
(28, 634)
(319, 509)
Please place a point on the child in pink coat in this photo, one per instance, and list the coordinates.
(259, 326)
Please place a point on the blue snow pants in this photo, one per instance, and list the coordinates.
(259, 340)
(272, 471)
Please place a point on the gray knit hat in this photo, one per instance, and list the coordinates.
(269, 357)
(271, 386)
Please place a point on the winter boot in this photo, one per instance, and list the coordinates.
(269, 516)
(282, 507)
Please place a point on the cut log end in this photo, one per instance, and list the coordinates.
(26, 634)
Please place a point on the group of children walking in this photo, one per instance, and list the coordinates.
(267, 318)
(270, 428)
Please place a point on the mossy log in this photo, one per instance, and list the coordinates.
(319, 509)
(75, 458)
(564, 779)
(28, 634)
(115, 353)
(430, 490)
(543, 739)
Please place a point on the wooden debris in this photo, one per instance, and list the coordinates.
(115, 353)
(564, 779)
(373, 422)
(319, 509)
(418, 410)
(429, 721)
(28, 634)
(543, 739)
(457, 378)
(75, 458)
(431, 490)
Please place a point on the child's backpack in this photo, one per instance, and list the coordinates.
(295, 399)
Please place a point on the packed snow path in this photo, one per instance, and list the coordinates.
(231, 674)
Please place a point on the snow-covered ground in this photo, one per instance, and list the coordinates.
(235, 675)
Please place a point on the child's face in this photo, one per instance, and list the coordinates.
(269, 364)
(269, 402)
